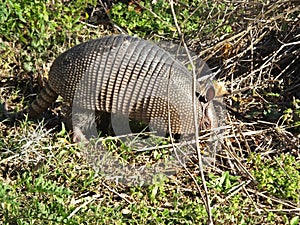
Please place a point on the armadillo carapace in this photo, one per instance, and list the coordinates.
(131, 77)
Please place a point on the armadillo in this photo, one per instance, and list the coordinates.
(127, 76)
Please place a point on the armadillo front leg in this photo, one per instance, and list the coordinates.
(84, 124)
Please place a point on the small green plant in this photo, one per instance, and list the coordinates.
(291, 116)
(157, 191)
(279, 176)
(143, 21)
(8, 198)
(223, 183)
(37, 26)
(148, 17)
(47, 200)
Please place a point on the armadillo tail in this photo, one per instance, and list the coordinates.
(41, 103)
(37, 107)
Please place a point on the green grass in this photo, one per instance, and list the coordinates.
(146, 18)
(46, 179)
(51, 180)
(279, 176)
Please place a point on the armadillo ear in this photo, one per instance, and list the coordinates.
(210, 93)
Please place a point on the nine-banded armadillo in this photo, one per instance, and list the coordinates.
(127, 76)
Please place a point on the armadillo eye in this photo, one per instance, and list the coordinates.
(208, 96)
(201, 98)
